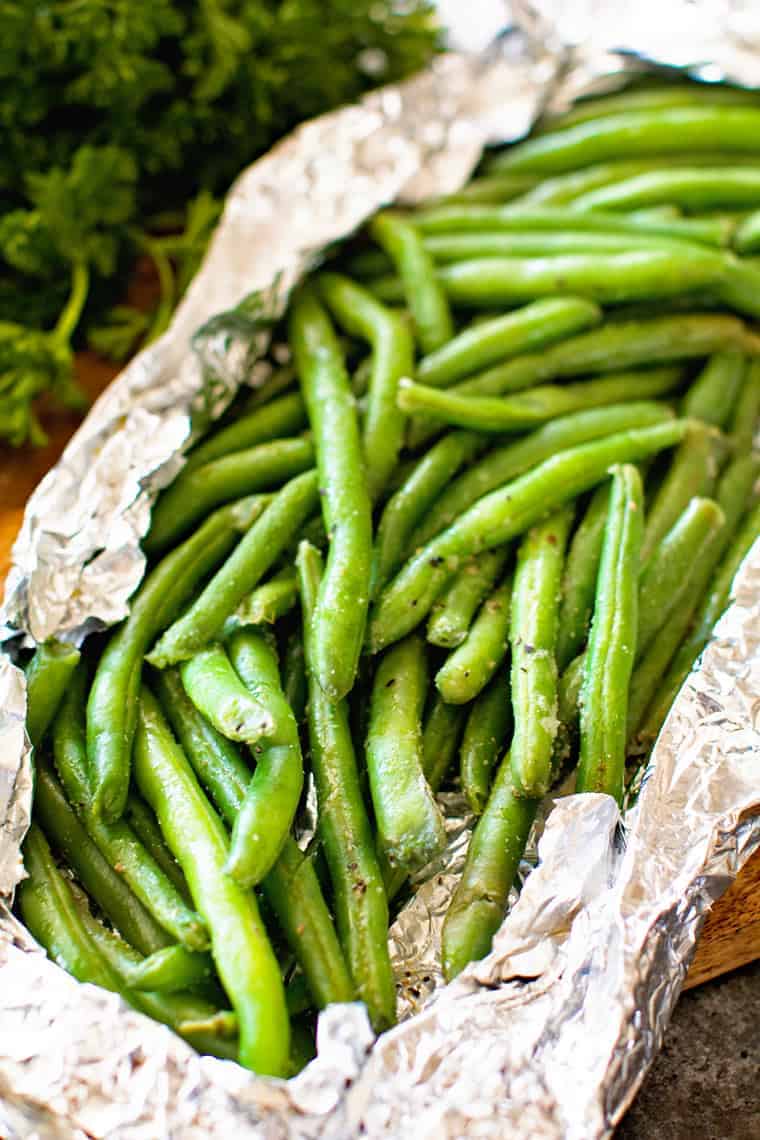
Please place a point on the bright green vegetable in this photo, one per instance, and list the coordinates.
(441, 729)
(47, 677)
(145, 826)
(244, 959)
(746, 239)
(712, 395)
(424, 297)
(469, 668)
(532, 637)
(486, 733)
(730, 187)
(254, 554)
(579, 578)
(409, 824)
(692, 471)
(652, 97)
(612, 641)
(746, 413)
(216, 690)
(341, 611)
(360, 900)
(449, 248)
(171, 969)
(497, 517)
(280, 417)
(451, 616)
(392, 359)
(112, 704)
(268, 602)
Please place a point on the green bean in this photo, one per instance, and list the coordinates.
(112, 704)
(441, 730)
(612, 641)
(496, 847)
(746, 412)
(291, 887)
(747, 235)
(294, 675)
(488, 728)
(570, 684)
(246, 964)
(193, 494)
(254, 554)
(47, 676)
(280, 417)
(169, 970)
(468, 669)
(142, 821)
(500, 338)
(579, 578)
(117, 841)
(734, 486)
(517, 456)
(712, 396)
(700, 189)
(692, 471)
(627, 343)
(477, 219)
(659, 132)
(268, 602)
(392, 358)
(708, 613)
(100, 880)
(341, 612)
(502, 515)
(663, 581)
(424, 296)
(415, 496)
(451, 616)
(409, 824)
(215, 689)
(496, 188)
(533, 636)
(271, 800)
(538, 405)
(605, 278)
(360, 902)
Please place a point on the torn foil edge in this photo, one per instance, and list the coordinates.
(525, 1059)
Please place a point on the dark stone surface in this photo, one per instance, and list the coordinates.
(705, 1083)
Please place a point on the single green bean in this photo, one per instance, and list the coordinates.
(415, 496)
(538, 405)
(246, 964)
(254, 554)
(215, 689)
(693, 189)
(712, 395)
(360, 901)
(612, 641)
(711, 608)
(112, 704)
(271, 800)
(392, 358)
(746, 412)
(500, 338)
(517, 456)
(291, 887)
(280, 417)
(268, 602)
(193, 494)
(441, 730)
(486, 735)
(579, 578)
(145, 826)
(452, 615)
(341, 612)
(47, 677)
(468, 669)
(294, 675)
(477, 219)
(692, 471)
(450, 248)
(664, 578)
(631, 133)
(170, 970)
(747, 235)
(502, 515)
(533, 636)
(409, 824)
(496, 847)
(100, 880)
(424, 296)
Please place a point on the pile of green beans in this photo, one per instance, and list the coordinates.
(475, 536)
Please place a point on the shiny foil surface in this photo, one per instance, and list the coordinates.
(551, 1034)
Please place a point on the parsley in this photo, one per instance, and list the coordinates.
(123, 124)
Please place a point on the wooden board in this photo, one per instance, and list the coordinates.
(731, 936)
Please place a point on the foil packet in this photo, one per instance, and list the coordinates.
(551, 1034)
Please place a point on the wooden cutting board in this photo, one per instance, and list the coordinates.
(731, 936)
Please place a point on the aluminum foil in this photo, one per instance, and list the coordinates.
(550, 1035)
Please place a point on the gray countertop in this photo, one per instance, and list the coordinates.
(705, 1083)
